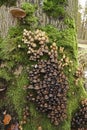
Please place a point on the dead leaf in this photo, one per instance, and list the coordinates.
(7, 119)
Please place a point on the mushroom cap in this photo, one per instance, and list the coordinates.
(39, 128)
(17, 12)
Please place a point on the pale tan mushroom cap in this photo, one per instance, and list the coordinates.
(17, 12)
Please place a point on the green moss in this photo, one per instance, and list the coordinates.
(55, 8)
(4, 73)
(15, 31)
(70, 22)
(65, 38)
(7, 2)
(16, 93)
(38, 119)
(29, 8)
(30, 19)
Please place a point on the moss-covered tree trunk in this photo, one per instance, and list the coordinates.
(7, 20)
(43, 56)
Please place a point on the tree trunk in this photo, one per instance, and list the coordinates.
(7, 20)
(15, 53)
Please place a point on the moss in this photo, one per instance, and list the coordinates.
(15, 31)
(7, 2)
(55, 9)
(29, 8)
(16, 93)
(5, 74)
(70, 22)
(30, 19)
(38, 119)
(65, 38)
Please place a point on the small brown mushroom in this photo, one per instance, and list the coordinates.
(17, 12)
(39, 128)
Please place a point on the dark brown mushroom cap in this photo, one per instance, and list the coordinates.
(17, 12)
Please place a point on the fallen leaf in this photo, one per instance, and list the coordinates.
(7, 119)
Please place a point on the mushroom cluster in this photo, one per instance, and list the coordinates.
(26, 114)
(46, 77)
(51, 88)
(78, 75)
(79, 121)
(36, 43)
(79, 72)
